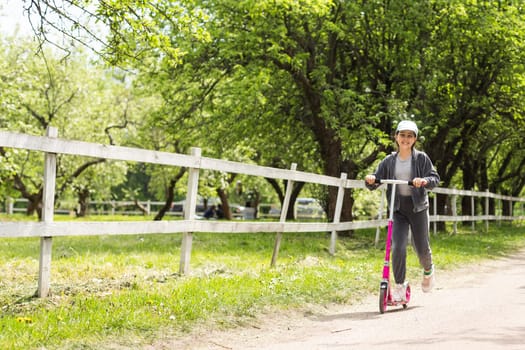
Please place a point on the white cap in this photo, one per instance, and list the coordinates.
(407, 125)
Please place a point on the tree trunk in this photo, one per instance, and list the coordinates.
(34, 204)
(441, 210)
(506, 209)
(469, 180)
(225, 206)
(297, 187)
(296, 191)
(141, 207)
(170, 194)
(334, 165)
(83, 201)
(254, 203)
(35, 199)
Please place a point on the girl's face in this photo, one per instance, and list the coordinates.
(405, 140)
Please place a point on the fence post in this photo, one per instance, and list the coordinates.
(189, 214)
(473, 212)
(337, 211)
(9, 205)
(487, 211)
(284, 210)
(48, 205)
(454, 207)
(499, 211)
(435, 213)
(380, 215)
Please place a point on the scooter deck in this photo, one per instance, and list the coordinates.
(404, 303)
(390, 301)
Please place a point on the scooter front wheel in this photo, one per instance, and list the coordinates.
(383, 300)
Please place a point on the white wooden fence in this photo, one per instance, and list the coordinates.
(47, 228)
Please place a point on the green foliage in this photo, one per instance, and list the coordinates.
(318, 83)
(473, 99)
(83, 101)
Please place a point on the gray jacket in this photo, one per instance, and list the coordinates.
(421, 167)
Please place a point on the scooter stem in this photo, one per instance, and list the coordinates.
(386, 266)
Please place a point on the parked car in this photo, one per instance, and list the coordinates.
(309, 207)
(242, 212)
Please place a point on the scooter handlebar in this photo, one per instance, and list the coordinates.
(393, 181)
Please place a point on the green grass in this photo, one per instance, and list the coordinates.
(126, 290)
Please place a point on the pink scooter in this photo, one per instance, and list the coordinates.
(385, 295)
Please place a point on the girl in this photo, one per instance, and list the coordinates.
(411, 204)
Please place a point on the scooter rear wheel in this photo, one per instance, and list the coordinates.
(383, 300)
(407, 296)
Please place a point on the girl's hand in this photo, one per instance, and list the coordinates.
(370, 179)
(419, 182)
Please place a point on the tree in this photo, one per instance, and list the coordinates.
(81, 101)
(311, 50)
(339, 73)
(472, 92)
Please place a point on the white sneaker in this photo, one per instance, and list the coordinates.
(400, 292)
(428, 282)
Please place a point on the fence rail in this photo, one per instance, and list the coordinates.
(264, 210)
(47, 228)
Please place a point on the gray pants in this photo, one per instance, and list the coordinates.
(419, 224)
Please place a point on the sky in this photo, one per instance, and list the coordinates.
(12, 18)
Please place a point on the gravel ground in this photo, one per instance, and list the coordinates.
(479, 307)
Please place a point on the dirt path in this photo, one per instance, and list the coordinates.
(479, 308)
